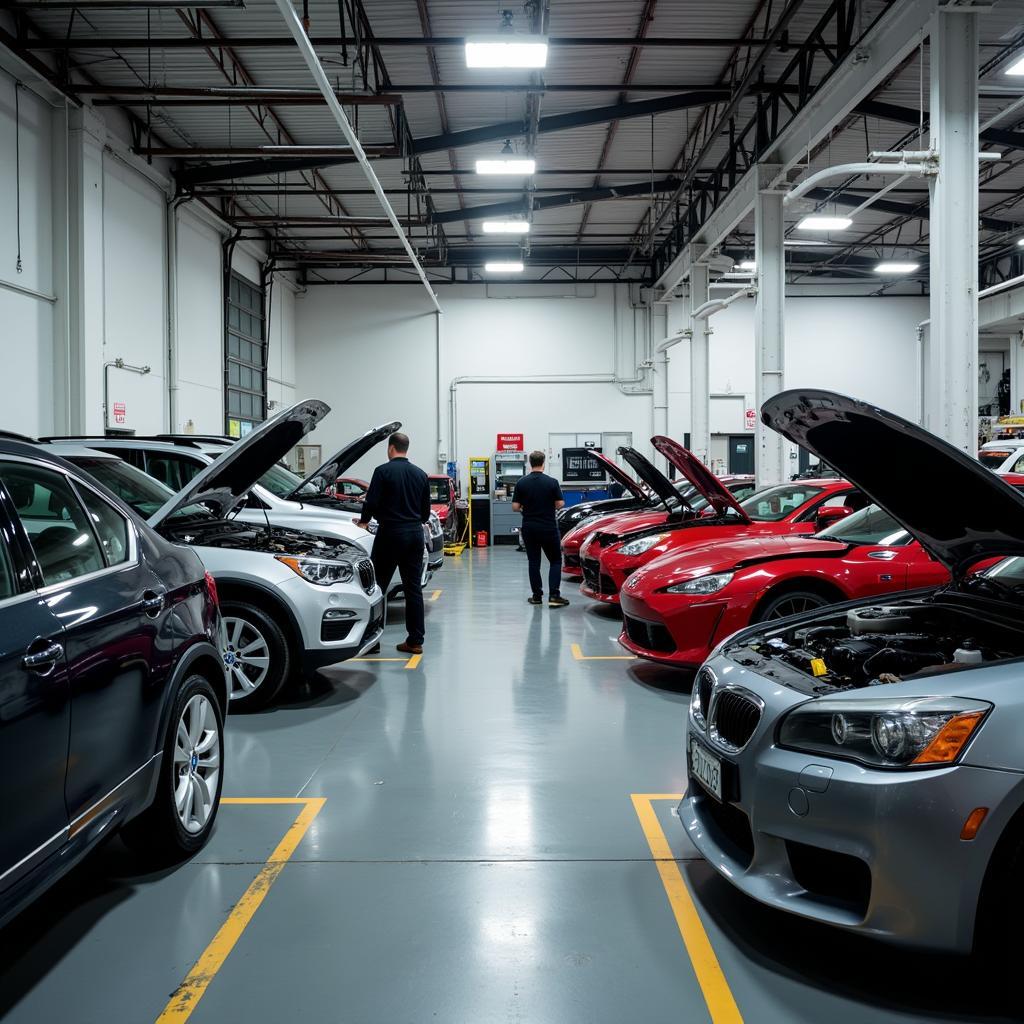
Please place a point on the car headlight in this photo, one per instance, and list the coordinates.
(915, 732)
(638, 547)
(710, 584)
(324, 572)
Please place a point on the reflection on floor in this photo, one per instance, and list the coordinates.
(478, 858)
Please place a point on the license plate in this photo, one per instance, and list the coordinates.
(706, 768)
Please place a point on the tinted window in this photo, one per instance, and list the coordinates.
(8, 587)
(141, 493)
(58, 526)
(109, 526)
(775, 503)
(870, 525)
(171, 469)
(993, 458)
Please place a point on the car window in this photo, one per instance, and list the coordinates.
(109, 526)
(1018, 466)
(439, 492)
(871, 525)
(775, 503)
(171, 469)
(58, 526)
(8, 586)
(993, 458)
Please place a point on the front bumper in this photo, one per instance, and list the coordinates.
(871, 851)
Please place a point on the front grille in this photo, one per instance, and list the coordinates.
(608, 585)
(705, 683)
(729, 826)
(333, 630)
(571, 561)
(652, 636)
(367, 578)
(832, 877)
(592, 574)
(735, 718)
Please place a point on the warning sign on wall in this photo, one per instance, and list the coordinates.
(509, 443)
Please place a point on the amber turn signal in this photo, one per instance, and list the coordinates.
(973, 823)
(950, 739)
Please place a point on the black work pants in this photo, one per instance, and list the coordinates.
(550, 543)
(403, 550)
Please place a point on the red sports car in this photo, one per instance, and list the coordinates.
(678, 607)
(610, 555)
(442, 501)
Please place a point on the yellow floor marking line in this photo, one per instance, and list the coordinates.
(379, 659)
(717, 994)
(187, 995)
(414, 661)
(436, 594)
(577, 653)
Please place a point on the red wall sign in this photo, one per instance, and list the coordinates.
(750, 419)
(120, 412)
(509, 443)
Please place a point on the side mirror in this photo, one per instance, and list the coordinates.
(831, 514)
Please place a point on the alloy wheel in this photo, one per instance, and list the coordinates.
(246, 655)
(196, 764)
(795, 605)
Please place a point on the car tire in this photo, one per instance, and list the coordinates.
(256, 653)
(180, 819)
(789, 602)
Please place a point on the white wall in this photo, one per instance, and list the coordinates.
(26, 320)
(96, 287)
(369, 351)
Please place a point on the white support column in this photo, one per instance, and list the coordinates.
(82, 289)
(951, 401)
(1017, 374)
(769, 328)
(700, 380)
(660, 327)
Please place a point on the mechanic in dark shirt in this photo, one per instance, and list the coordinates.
(399, 499)
(538, 497)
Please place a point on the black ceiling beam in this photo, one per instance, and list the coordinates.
(564, 122)
(334, 42)
(471, 87)
(909, 116)
(916, 210)
(234, 152)
(584, 195)
(242, 94)
(239, 169)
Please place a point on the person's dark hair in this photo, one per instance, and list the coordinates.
(400, 442)
(536, 459)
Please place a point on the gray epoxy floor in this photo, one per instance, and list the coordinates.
(478, 858)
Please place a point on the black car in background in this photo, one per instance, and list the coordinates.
(112, 687)
(634, 495)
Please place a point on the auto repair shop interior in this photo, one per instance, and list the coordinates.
(748, 274)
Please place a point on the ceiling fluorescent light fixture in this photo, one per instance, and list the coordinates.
(895, 267)
(505, 227)
(1020, 241)
(507, 165)
(504, 267)
(818, 222)
(1016, 68)
(507, 51)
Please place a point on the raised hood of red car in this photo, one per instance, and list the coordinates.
(653, 477)
(960, 511)
(717, 495)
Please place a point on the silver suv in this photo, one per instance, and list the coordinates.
(292, 601)
(280, 497)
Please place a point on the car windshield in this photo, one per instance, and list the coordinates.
(139, 492)
(871, 525)
(281, 481)
(774, 504)
(993, 458)
(440, 491)
(1009, 571)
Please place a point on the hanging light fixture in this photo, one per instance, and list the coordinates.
(507, 163)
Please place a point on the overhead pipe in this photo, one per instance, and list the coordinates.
(320, 78)
(712, 306)
(844, 170)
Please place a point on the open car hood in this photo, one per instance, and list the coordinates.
(653, 477)
(719, 497)
(226, 481)
(327, 472)
(960, 511)
(618, 474)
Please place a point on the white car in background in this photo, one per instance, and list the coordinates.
(280, 497)
(1006, 456)
(292, 601)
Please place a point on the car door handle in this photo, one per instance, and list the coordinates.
(42, 660)
(152, 603)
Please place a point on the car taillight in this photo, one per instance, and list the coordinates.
(211, 589)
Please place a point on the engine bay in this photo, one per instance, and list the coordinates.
(274, 540)
(877, 645)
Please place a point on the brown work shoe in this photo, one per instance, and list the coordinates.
(407, 648)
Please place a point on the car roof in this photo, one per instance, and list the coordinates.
(73, 449)
(1006, 442)
(123, 442)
